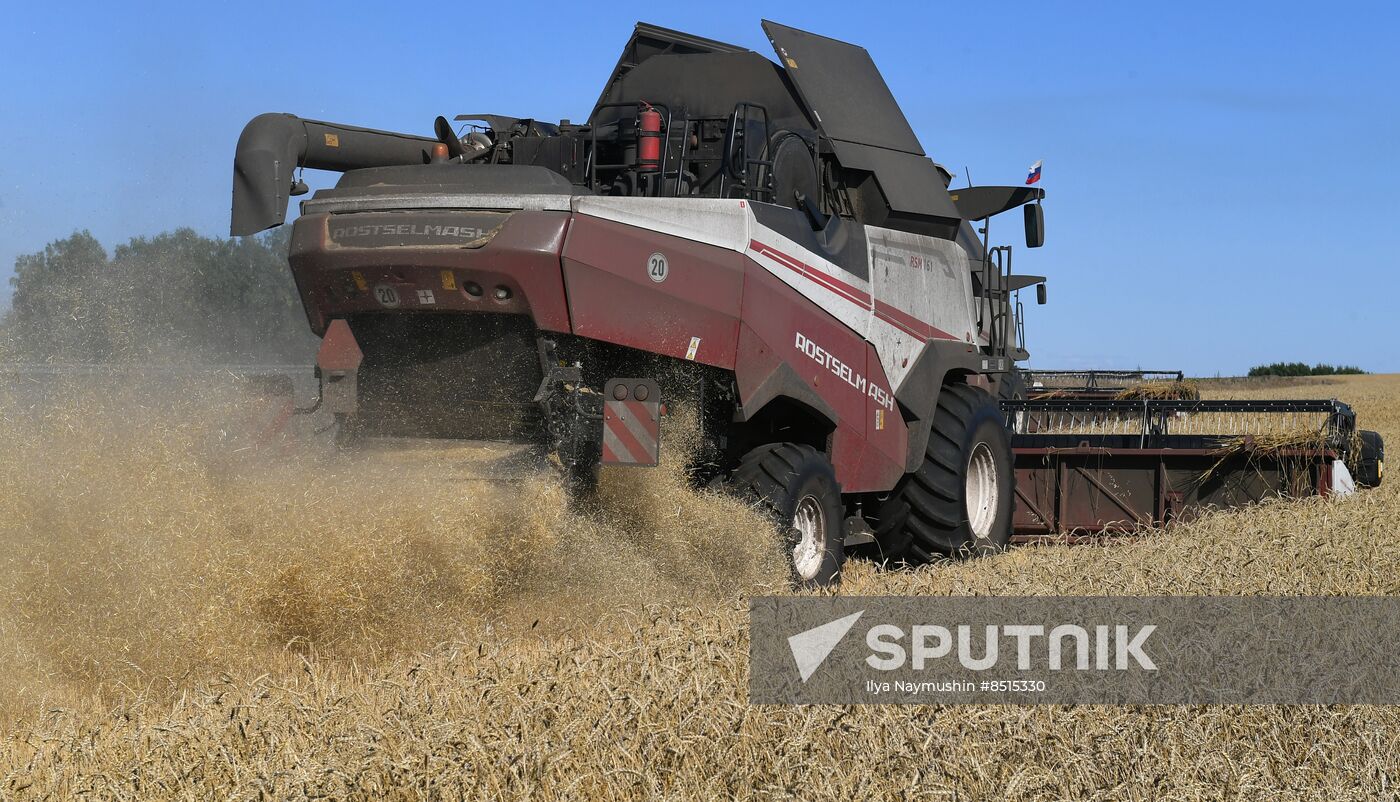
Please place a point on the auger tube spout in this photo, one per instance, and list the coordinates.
(272, 146)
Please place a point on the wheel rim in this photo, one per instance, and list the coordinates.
(981, 491)
(810, 522)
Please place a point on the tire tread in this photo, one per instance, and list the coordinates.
(924, 517)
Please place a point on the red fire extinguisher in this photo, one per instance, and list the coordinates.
(648, 139)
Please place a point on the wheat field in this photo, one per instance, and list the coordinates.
(179, 623)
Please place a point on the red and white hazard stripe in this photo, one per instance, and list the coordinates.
(631, 428)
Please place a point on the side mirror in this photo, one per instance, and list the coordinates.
(1040, 293)
(1035, 226)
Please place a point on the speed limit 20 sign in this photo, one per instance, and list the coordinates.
(657, 268)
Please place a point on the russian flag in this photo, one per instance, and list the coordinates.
(1034, 175)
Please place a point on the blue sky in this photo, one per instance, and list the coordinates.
(1220, 176)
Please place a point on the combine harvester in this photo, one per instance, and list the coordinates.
(763, 243)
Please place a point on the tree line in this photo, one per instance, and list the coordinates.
(1303, 369)
(177, 295)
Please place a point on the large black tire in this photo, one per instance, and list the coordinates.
(1012, 386)
(797, 486)
(1372, 459)
(928, 514)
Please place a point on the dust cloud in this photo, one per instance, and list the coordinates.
(148, 544)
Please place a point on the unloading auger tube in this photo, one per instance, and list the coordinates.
(273, 146)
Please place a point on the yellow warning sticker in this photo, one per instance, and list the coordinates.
(879, 419)
(360, 283)
(332, 140)
(693, 349)
(449, 281)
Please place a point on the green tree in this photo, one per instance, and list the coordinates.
(177, 295)
(1302, 369)
(51, 307)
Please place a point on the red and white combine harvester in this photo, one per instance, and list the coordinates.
(763, 242)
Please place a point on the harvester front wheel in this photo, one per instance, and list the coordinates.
(1012, 386)
(1372, 461)
(797, 486)
(958, 503)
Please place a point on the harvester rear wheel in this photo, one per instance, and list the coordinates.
(797, 486)
(958, 503)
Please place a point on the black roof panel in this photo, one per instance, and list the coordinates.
(854, 108)
(654, 40)
(839, 82)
